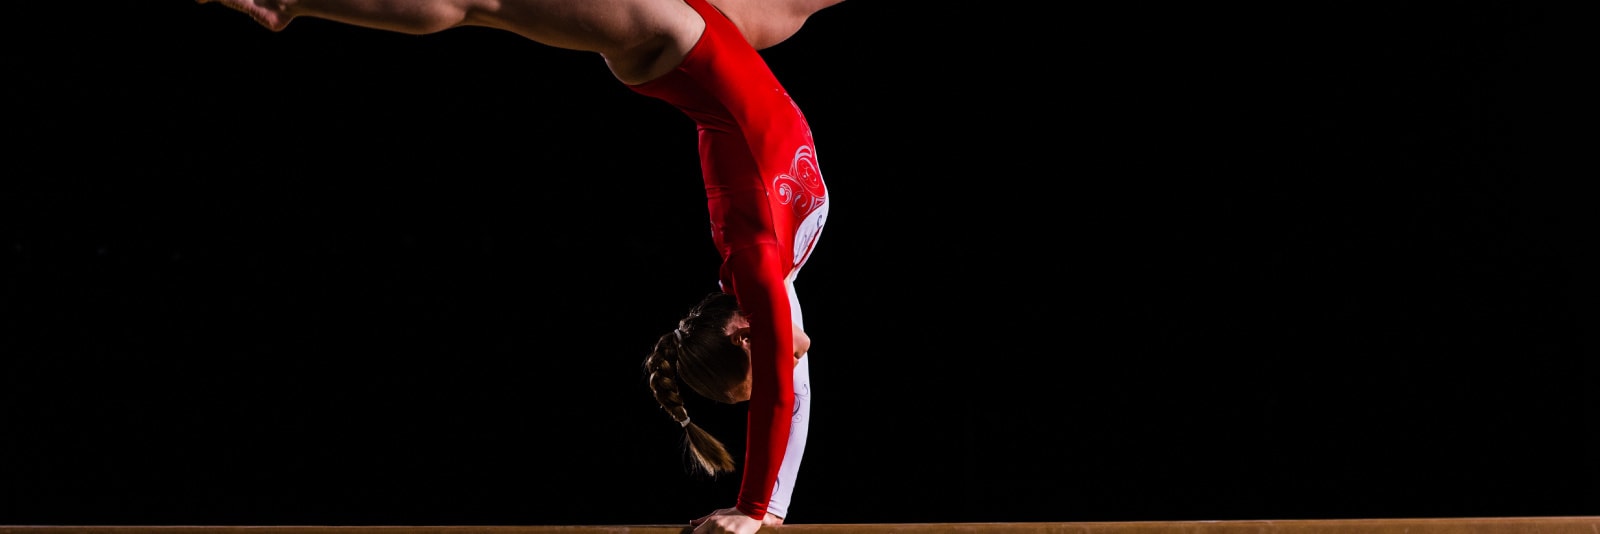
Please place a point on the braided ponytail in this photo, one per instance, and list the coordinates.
(702, 450)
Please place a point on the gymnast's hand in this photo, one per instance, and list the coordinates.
(731, 521)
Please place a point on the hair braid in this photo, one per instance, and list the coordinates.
(702, 450)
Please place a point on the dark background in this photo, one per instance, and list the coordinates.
(1087, 264)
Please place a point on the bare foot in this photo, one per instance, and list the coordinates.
(274, 14)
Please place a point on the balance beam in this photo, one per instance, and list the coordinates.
(1475, 525)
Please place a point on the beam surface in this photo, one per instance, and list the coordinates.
(1493, 525)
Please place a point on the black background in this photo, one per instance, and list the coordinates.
(1089, 264)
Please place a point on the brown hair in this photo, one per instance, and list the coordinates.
(699, 354)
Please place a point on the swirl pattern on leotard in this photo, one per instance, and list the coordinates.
(802, 190)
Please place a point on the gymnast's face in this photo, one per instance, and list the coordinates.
(738, 332)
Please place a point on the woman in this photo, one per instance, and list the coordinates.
(765, 196)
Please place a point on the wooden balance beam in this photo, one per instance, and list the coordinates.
(1490, 525)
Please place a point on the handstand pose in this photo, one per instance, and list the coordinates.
(765, 196)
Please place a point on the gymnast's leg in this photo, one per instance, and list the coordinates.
(639, 39)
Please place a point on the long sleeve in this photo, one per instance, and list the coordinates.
(800, 422)
(756, 275)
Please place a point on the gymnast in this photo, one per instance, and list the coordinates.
(765, 198)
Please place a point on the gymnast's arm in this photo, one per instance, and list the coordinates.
(756, 273)
(789, 469)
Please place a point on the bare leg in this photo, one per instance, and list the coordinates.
(639, 39)
(766, 23)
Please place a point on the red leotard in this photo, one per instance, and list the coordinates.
(767, 204)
